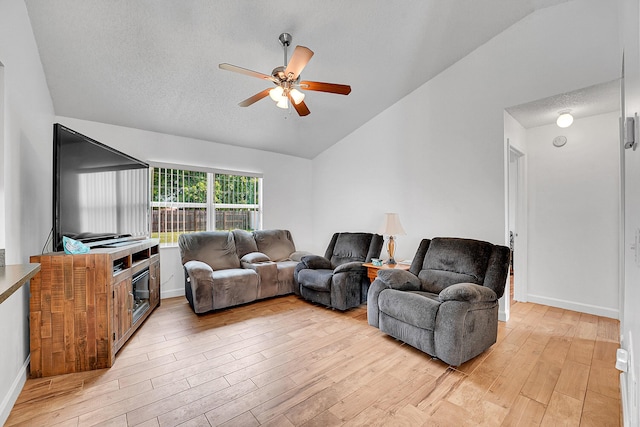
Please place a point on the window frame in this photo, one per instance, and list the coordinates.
(210, 205)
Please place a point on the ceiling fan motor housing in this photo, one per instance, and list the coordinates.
(285, 39)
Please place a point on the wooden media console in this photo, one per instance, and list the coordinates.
(84, 308)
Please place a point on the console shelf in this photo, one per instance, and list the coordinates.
(82, 306)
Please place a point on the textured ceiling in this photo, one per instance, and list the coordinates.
(153, 64)
(589, 101)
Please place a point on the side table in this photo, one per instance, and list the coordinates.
(372, 270)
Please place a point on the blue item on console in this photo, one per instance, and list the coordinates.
(73, 246)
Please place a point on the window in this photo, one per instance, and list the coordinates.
(185, 201)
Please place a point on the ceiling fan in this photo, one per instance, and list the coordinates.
(287, 80)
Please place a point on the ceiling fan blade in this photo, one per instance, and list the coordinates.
(245, 71)
(326, 87)
(255, 98)
(299, 59)
(301, 107)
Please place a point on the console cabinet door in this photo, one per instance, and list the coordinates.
(122, 311)
(154, 283)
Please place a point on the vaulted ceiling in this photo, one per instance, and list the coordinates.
(153, 64)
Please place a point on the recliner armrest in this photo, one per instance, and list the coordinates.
(399, 279)
(198, 270)
(349, 266)
(315, 262)
(467, 292)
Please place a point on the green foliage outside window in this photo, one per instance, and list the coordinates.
(173, 185)
(236, 189)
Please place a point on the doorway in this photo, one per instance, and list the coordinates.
(517, 224)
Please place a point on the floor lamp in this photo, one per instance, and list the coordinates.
(391, 227)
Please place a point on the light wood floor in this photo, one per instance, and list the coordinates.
(285, 362)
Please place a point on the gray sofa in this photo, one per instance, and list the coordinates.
(227, 268)
(338, 279)
(447, 303)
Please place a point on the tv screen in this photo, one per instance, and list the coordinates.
(100, 195)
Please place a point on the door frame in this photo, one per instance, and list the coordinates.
(517, 200)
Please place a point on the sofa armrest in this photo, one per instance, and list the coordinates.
(267, 274)
(297, 255)
(467, 292)
(315, 262)
(349, 266)
(198, 270)
(254, 258)
(399, 279)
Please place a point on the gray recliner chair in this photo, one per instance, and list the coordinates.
(338, 279)
(446, 305)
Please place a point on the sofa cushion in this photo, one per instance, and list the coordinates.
(350, 247)
(245, 243)
(216, 248)
(234, 286)
(285, 276)
(319, 280)
(449, 261)
(413, 307)
(276, 244)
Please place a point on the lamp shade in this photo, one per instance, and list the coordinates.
(283, 103)
(276, 93)
(297, 96)
(391, 225)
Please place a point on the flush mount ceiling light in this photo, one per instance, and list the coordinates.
(564, 119)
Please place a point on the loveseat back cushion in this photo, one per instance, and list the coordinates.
(276, 244)
(216, 248)
(452, 260)
(350, 247)
(245, 243)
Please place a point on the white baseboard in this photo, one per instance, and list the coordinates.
(171, 293)
(574, 306)
(16, 387)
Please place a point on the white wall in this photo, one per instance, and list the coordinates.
(28, 115)
(574, 216)
(437, 156)
(516, 134)
(286, 180)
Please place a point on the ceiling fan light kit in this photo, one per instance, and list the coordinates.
(287, 80)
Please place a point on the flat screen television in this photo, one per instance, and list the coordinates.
(100, 195)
